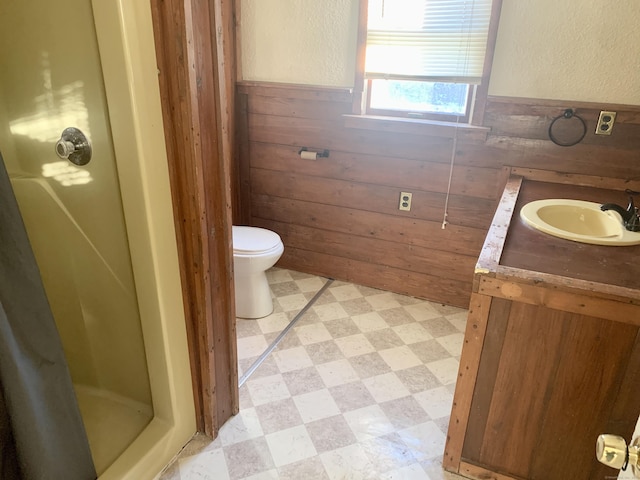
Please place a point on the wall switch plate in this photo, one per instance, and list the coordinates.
(605, 123)
(405, 201)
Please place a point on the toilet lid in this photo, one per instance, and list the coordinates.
(254, 239)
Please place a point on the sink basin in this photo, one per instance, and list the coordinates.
(578, 221)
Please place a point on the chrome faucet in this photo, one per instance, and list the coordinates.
(630, 218)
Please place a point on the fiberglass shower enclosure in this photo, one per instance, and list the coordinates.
(51, 79)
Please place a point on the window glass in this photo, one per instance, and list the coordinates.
(415, 96)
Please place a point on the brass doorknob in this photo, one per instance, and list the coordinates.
(612, 450)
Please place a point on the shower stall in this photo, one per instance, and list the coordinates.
(102, 232)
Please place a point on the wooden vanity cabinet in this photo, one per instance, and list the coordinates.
(551, 355)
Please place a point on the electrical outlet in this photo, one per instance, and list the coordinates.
(605, 123)
(405, 201)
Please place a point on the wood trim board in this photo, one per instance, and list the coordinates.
(199, 166)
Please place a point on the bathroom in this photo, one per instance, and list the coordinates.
(339, 218)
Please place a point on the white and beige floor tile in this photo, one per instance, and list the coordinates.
(360, 387)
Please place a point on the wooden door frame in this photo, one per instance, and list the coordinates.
(195, 52)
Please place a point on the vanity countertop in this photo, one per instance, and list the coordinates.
(513, 248)
(530, 249)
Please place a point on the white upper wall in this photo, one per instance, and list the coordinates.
(563, 49)
(547, 49)
(299, 41)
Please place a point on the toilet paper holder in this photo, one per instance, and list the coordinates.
(312, 154)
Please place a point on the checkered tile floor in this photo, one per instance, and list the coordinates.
(360, 388)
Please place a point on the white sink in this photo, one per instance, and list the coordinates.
(578, 221)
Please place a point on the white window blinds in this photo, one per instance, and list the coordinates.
(433, 40)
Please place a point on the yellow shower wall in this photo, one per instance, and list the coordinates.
(52, 79)
(52, 75)
(6, 142)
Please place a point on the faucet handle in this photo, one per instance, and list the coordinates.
(633, 223)
(631, 208)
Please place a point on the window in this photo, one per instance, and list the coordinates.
(425, 58)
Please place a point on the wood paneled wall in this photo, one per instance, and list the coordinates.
(339, 217)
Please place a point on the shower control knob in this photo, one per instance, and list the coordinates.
(64, 148)
(74, 146)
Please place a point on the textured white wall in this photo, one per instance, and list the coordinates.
(299, 41)
(548, 49)
(563, 49)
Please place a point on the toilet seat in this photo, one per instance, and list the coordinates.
(254, 240)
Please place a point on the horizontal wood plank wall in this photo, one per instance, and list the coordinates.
(339, 217)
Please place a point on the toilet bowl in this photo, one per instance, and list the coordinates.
(255, 250)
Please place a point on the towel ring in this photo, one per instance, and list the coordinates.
(567, 115)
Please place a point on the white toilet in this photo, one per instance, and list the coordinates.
(255, 250)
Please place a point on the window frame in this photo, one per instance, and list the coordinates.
(478, 93)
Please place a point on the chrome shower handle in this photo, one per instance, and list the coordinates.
(65, 148)
(74, 146)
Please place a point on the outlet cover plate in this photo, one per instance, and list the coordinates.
(606, 120)
(405, 201)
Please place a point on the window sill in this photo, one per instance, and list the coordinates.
(416, 126)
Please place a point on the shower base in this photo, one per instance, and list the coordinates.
(112, 422)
